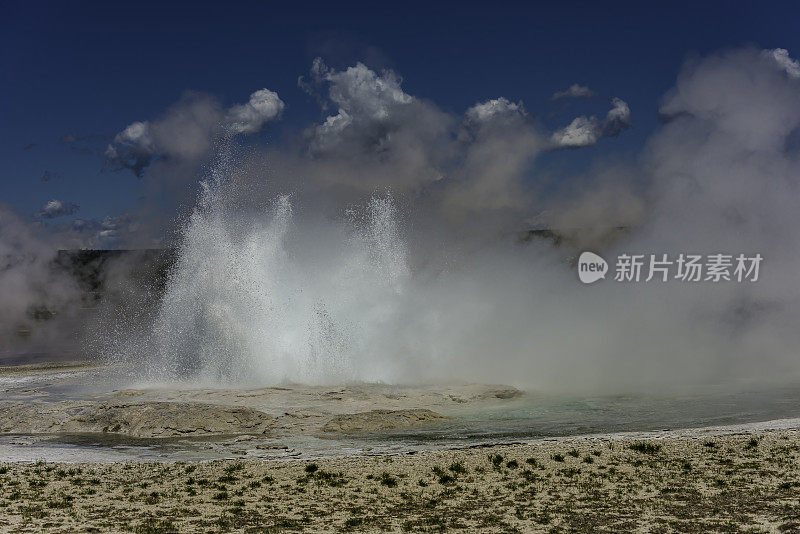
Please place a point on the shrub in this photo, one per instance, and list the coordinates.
(458, 468)
(644, 447)
(444, 477)
(388, 480)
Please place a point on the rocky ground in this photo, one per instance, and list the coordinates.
(33, 402)
(692, 483)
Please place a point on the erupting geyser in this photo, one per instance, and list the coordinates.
(299, 266)
(267, 299)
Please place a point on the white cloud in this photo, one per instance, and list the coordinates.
(360, 92)
(264, 106)
(57, 208)
(361, 95)
(617, 119)
(493, 108)
(573, 91)
(185, 133)
(781, 57)
(136, 134)
(587, 131)
(582, 131)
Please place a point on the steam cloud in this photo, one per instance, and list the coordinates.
(298, 265)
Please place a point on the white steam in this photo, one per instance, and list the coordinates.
(302, 273)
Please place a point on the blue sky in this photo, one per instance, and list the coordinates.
(90, 69)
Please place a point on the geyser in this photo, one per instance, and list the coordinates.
(297, 266)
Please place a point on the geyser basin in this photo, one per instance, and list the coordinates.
(56, 414)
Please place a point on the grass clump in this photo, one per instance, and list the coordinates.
(388, 480)
(238, 466)
(645, 447)
(458, 468)
(354, 522)
(534, 463)
(443, 476)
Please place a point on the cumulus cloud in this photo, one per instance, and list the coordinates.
(587, 131)
(363, 98)
(468, 168)
(133, 149)
(490, 109)
(573, 91)
(186, 132)
(781, 57)
(374, 135)
(264, 106)
(57, 208)
(582, 131)
(617, 119)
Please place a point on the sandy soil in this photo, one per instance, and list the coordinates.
(683, 483)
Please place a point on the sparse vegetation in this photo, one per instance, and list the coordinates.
(443, 476)
(730, 488)
(388, 480)
(458, 468)
(645, 447)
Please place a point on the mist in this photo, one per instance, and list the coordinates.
(387, 243)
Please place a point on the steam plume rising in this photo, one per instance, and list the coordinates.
(299, 265)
